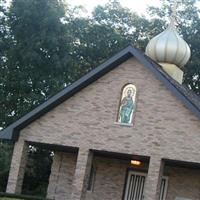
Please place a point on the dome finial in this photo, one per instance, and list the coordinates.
(169, 49)
(173, 16)
(174, 9)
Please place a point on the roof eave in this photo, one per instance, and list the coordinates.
(7, 134)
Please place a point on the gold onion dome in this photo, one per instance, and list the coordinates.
(169, 47)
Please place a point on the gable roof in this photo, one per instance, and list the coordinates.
(189, 99)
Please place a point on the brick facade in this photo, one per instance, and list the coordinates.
(162, 126)
(110, 176)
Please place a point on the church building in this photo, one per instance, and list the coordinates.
(127, 130)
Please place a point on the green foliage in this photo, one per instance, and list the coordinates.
(4, 198)
(37, 171)
(128, 25)
(111, 28)
(37, 58)
(5, 159)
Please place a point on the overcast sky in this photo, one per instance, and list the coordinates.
(136, 5)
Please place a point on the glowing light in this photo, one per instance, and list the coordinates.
(136, 162)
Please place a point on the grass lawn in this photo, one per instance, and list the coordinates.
(19, 197)
(4, 198)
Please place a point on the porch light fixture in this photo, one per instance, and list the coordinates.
(136, 162)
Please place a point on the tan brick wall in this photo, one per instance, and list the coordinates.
(183, 183)
(81, 175)
(109, 179)
(17, 168)
(61, 178)
(153, 179)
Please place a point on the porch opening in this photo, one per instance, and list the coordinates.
(49, 170)
(109, 173)
(37, 171)
(184, 179)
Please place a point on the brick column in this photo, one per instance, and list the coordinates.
(17, 168)
(153, 179)
(83, 167)
(54, 176)
(62, 173)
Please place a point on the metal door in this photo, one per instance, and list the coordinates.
(135, 186)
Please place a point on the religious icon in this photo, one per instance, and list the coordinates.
(127, 105)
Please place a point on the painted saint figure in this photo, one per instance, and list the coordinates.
(127, 105)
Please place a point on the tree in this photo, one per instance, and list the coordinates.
(5, 159)
(37, 172)
(36, 63)
(5, 147)
(111, 28)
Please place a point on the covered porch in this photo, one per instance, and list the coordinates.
(130, 177)
(89, 174)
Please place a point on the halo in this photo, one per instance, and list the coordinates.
(130, 88)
